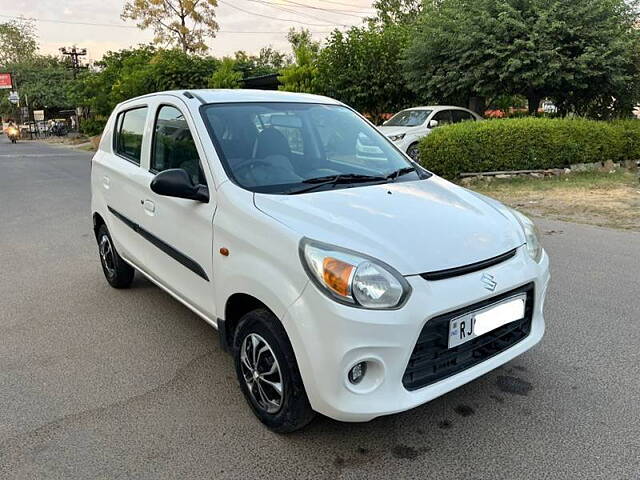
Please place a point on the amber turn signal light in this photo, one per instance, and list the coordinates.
(336, 275)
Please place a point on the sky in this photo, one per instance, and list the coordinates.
(243, 23)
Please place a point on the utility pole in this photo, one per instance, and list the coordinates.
(74, 53)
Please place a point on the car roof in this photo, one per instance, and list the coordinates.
(438, 107)
(206, 96)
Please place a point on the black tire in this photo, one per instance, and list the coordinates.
(294, 411)
(414, 152)
(118, 273)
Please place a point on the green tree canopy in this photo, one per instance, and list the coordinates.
(300, 76)
(226, 76)
(137, 71)
(361, 67)
(17, 42)
(576, 52)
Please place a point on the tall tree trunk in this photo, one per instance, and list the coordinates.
(533, 102)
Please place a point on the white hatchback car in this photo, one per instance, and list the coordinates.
(344, 286)
(407, 127)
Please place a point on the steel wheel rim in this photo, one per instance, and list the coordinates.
(106, 255)
(261, 372)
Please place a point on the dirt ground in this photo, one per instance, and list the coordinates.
(608, 199)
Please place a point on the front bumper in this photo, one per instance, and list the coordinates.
(329, 338)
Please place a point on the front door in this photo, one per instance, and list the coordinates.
(180, 230)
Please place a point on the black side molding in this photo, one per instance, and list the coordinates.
(472, 267)
(162, 245)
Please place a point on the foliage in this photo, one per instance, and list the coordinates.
(170, 20)
(226, 76)
(360, 67)
(43, 81)
(527, 143)
(577, 52)
(268, 61)
(301, 75)
(132, 72)
(396, 12)
(93, 126)
(17, 42)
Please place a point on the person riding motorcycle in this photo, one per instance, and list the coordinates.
(12, 132)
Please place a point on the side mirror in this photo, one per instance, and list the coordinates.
(433, 123)
(176, 182)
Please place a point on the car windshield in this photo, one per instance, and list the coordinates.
(408, 118)
(288, 148)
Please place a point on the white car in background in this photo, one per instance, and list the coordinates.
(407, 127)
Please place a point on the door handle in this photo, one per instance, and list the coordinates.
(106, 181)
(149, 206)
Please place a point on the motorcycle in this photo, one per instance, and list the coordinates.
(13, 133)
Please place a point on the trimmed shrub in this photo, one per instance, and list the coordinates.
(527, 144)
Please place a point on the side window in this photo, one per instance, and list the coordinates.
(461, 116)
(173, 145)
(443, 117)
(129, 131)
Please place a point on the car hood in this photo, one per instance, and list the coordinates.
(417, 226)
(388, 131)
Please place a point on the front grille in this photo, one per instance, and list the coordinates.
(432, 360)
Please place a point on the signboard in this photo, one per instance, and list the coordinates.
(5, 80)
(38, 115)
(14, 97)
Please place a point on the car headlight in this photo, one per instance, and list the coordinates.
(534, 249)
(353, 278)
(395, 138)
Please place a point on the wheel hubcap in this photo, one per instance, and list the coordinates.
(414, 153)
(261, 373)
(106, 255)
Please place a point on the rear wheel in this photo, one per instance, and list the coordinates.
(414, 152)
(118, 273)
(268, 373)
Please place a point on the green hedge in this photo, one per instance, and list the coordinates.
(527, 144)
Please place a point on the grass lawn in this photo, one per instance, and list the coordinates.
(597, 198)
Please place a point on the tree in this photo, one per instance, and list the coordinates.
(226, 76)
(301, 74)
(396, 12)
(181, 23)
(573, 51)
(268, 61)
(44, 82)
(361, 68)
(17, 41)
(132, 72)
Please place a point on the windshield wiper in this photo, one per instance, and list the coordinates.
(398, 173)
(342, 178)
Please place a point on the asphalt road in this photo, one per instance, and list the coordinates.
(100, 383)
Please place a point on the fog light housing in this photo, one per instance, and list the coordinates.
(357, 372)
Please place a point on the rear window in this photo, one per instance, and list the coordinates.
(128, 134)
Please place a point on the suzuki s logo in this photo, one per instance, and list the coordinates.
(489, 282)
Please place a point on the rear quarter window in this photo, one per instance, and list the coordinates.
(128, 133)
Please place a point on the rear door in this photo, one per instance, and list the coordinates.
(180, 230)
(124, 180)
(462, 116)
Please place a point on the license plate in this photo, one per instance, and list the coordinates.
(473, 324)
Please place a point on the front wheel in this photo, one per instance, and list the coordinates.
(268, 373)
(414, 152)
